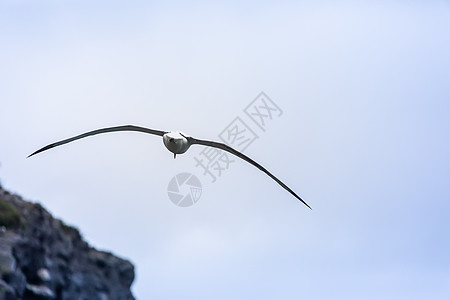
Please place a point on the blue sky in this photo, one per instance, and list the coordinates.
(363, 139)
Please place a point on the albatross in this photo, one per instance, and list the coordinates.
(177, 143)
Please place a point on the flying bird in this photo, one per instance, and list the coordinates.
(177, 143)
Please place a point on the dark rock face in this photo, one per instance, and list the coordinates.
(43, 258)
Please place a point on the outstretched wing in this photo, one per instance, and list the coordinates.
(227, 148)
(98, 131)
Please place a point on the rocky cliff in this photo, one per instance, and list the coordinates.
(43, 258)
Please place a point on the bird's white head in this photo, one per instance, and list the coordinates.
(176, 142)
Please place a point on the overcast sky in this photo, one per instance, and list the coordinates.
(363, 137)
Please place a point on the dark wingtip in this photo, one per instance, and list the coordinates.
(42, 149)
(306, 204)
(36, 152)
(303, 202)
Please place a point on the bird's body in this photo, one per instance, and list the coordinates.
(177, 143)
